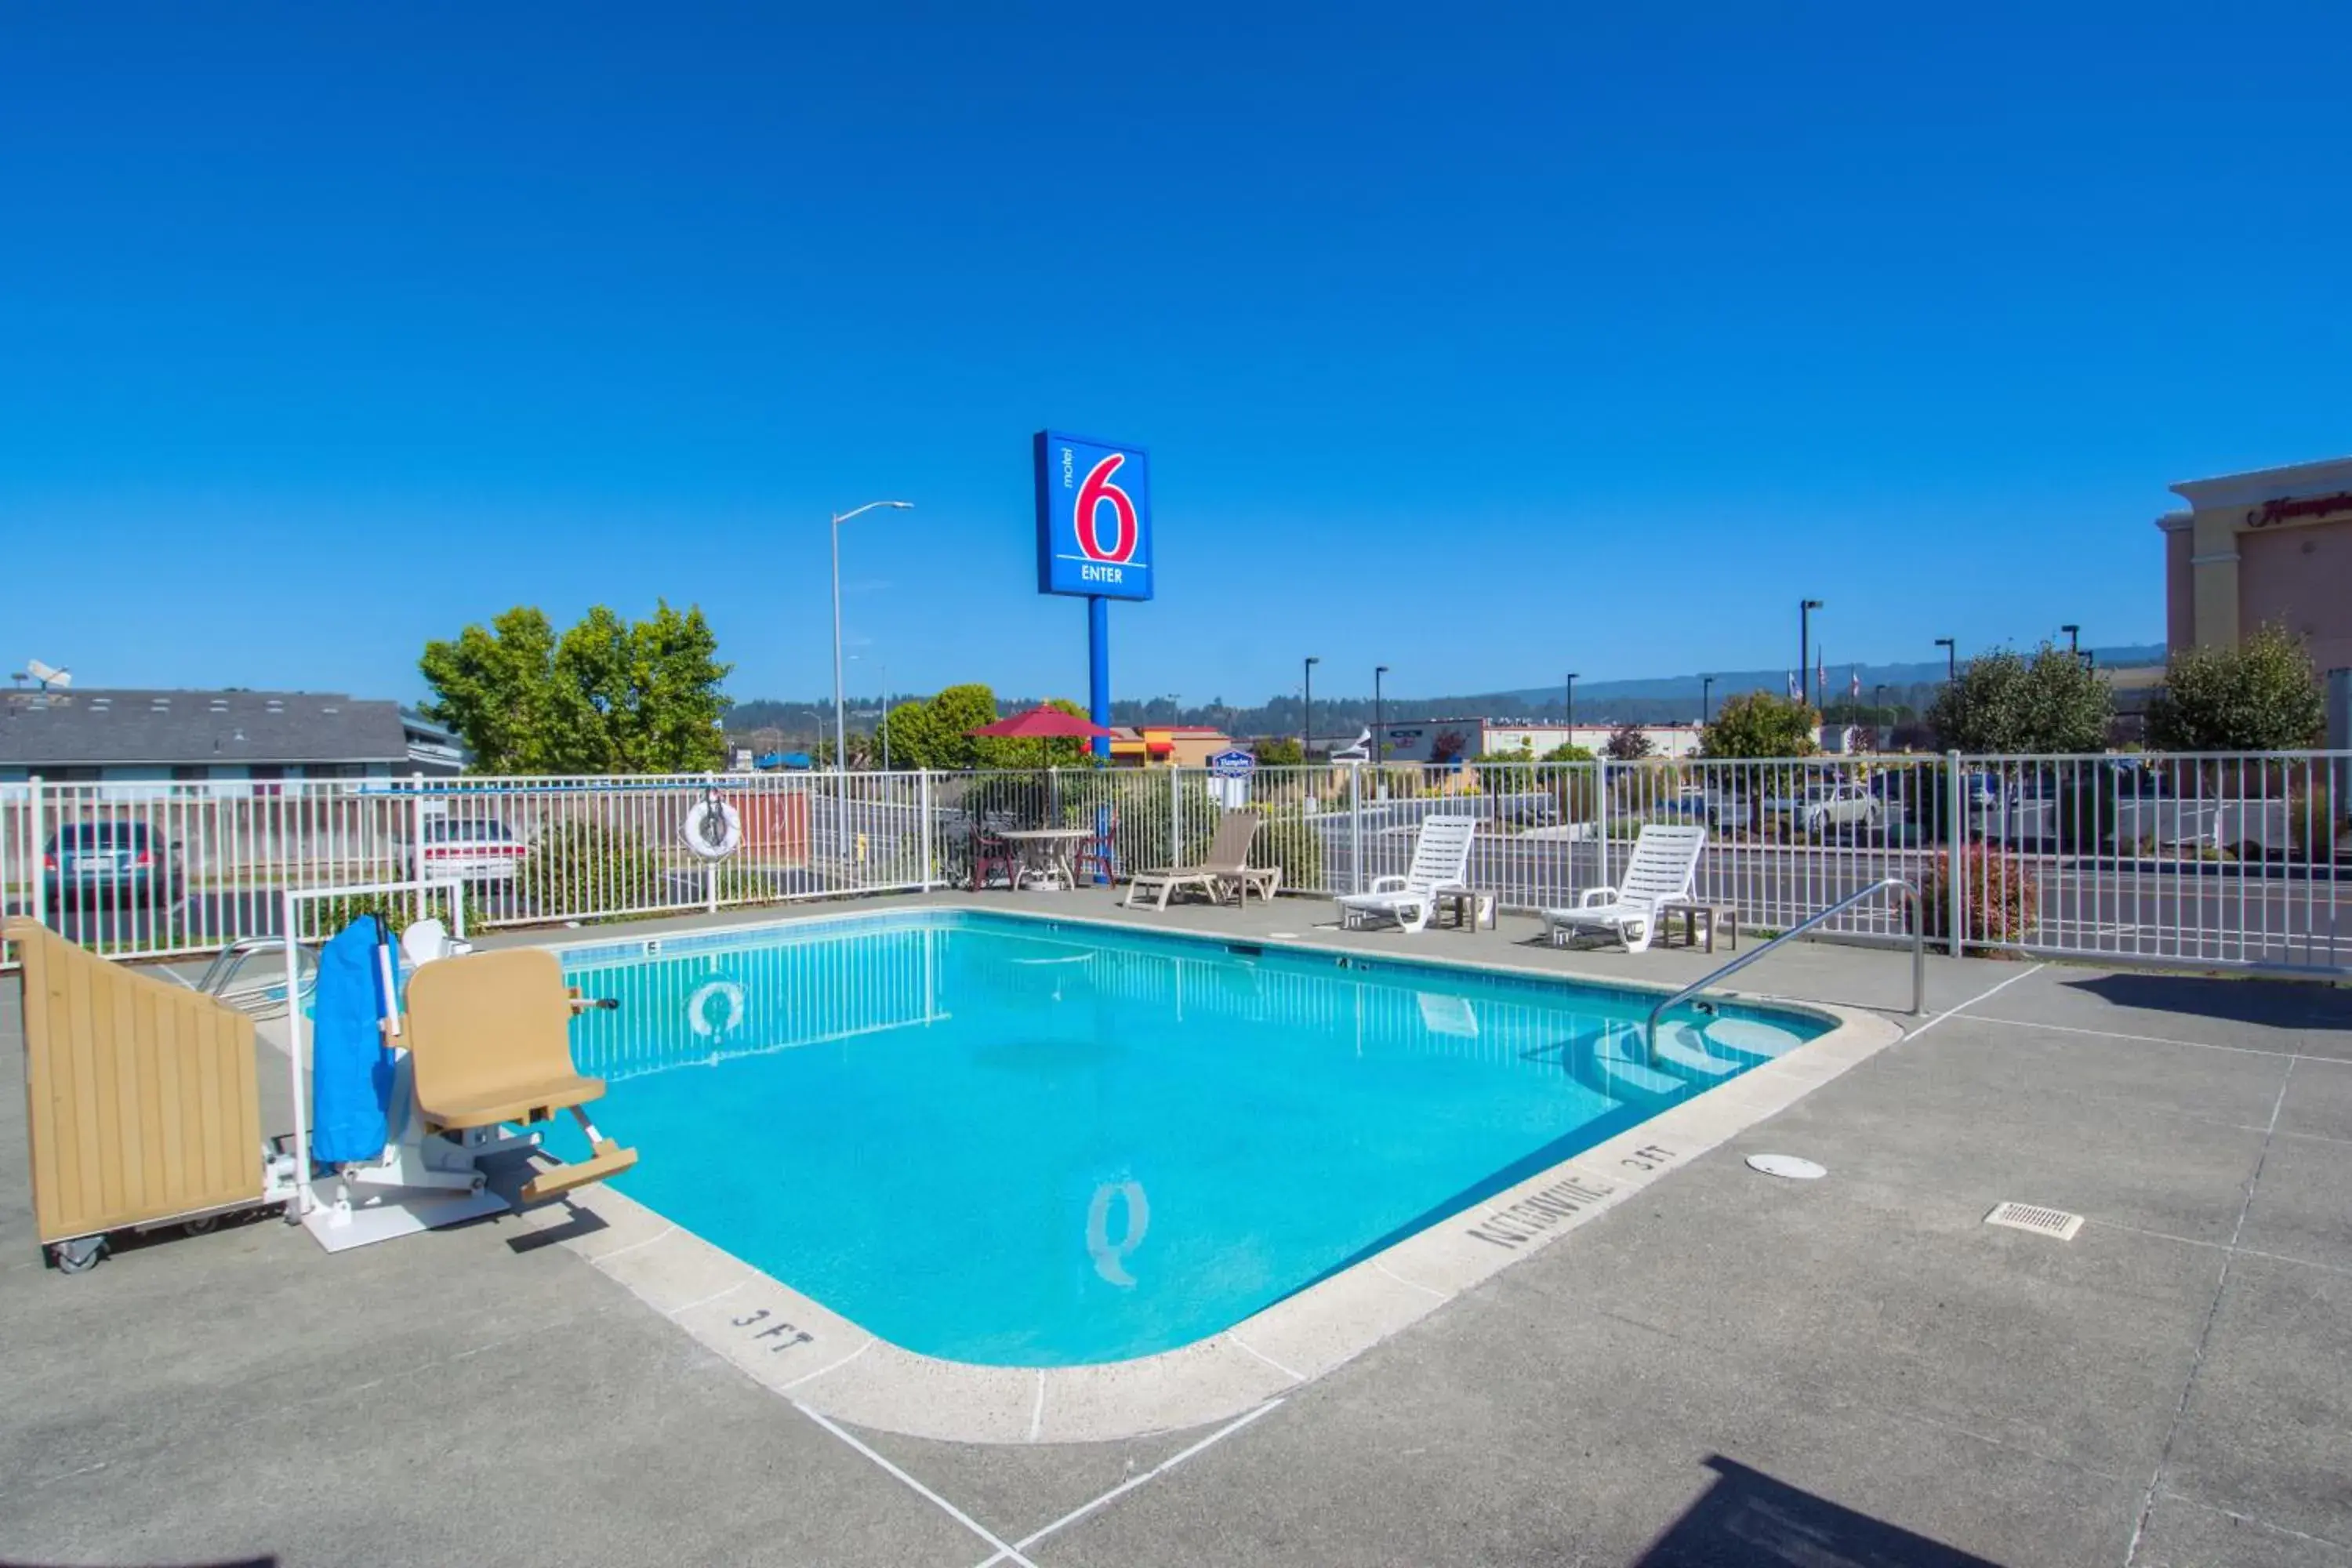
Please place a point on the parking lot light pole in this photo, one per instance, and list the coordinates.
(1307, 713)
(1569, 703)
(1951, 660)
(1379, 729)
(840, 730)
(1705, 698)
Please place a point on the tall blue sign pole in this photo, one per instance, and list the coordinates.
(1094, 539)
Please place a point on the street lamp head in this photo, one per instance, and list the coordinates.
(1380, 669)
(1943, 642)
(1313, 658)
(1812, 604)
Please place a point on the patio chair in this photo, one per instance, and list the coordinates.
(1440, 860)
(991, 850)
(488, 1042)
(1098, 856)
(1663, 867)
(1225, 864)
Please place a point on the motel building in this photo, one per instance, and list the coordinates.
(1168, 745)
(2274, 545)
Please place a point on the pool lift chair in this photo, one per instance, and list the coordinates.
(407, 1118)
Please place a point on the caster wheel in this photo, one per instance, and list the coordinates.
(79, 1255)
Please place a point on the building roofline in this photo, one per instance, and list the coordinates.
(2292, 482)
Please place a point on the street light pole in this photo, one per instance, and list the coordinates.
(1877, 706)
(885, 725)
(1379, 729)
(1951, 660)
(1805, 682)
(840, 730)
(2073, 641)
(1306, 714)
(1705, 698)
(1570, 705)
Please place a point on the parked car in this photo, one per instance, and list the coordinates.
(475, 850)
(111, 862)
(1822, 808)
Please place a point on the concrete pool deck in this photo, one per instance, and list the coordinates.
(1721, 1367)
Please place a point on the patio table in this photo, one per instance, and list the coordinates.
(1047, 851)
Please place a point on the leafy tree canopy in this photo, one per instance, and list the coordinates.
(2261, 696)
(609, 696)
(2003, 702)
(1760, 724)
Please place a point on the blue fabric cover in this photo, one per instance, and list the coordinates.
(351, 1066)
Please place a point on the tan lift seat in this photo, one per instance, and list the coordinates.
(489, 1041)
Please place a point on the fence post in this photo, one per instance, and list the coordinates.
(923, 802)
(1600, 812)
(415, 870)
(36, 846)
(1175, 816)
(1956, 891)
(710, 868)
(1355, 829)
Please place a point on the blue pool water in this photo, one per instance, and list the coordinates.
(1027, 1143)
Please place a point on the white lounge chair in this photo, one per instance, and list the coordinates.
(1663, 867)
(1441, 858)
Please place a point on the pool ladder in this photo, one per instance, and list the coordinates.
(265, 999)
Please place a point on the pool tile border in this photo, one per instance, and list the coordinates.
(802, 1351)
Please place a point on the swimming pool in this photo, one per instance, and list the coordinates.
(1038, 1144)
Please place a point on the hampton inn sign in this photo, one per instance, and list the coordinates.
(2269, 547)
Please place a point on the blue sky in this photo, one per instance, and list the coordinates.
(1480, 342)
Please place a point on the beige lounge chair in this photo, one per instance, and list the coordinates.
(488, 1037)
(1225, 865)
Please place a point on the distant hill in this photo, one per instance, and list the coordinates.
(1661, 699)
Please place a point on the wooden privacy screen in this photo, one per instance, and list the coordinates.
(139, 1094)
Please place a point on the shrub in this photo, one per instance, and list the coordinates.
(1288, 840)
(1629, 742)
(2002, 897)
(579, 866)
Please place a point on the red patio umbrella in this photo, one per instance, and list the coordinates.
(1042, 724)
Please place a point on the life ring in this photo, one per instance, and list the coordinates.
(697, 829)
(1110, 1257)
(726, 991)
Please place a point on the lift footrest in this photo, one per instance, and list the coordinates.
(610, 1160)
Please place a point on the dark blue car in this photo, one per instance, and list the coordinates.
(111, 862)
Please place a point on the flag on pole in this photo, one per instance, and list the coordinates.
(1854, 685)
(1821, 672)
(1796, 688)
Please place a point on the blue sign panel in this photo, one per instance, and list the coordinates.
(1094, 518)
(1233, 764)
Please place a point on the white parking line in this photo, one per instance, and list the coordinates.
(1013, 1553)
(1004, 1553)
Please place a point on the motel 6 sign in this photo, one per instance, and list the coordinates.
(1094, 518)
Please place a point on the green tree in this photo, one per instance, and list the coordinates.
(2261, 696)
(1760, 724)
(610, 696)
(934, 734)
(495, 687)
(1630, 743)
(2005, 702)
(1281, 751)
(1568, 752)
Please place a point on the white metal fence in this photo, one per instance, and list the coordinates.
(2206, 859)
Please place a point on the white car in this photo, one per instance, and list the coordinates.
(470, 850)
(1824, 808)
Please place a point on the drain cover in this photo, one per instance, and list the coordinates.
(1787, 1165)
(2054, 1223)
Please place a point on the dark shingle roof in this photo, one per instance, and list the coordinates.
(85, 728)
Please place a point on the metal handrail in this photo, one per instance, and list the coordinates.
(232, 958)
(1918, 954)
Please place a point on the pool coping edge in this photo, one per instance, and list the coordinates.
(797, 1347)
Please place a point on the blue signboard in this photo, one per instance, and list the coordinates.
(1233, 764)
(1094, 518)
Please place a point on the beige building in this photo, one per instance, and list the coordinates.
(2271, 545)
